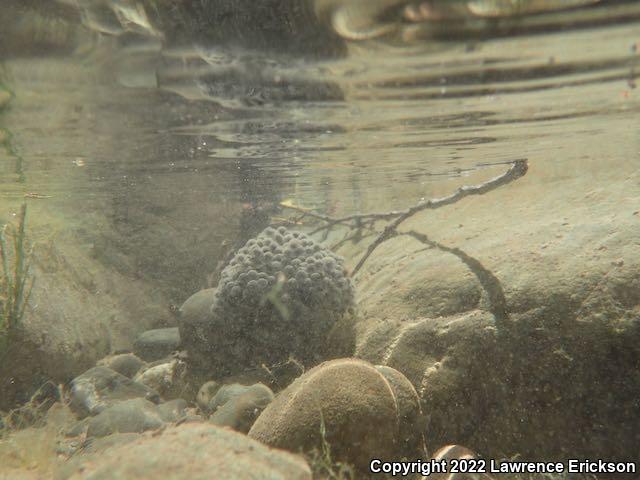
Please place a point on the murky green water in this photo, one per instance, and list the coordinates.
(148, 147)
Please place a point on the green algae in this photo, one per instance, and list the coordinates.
(16, 281)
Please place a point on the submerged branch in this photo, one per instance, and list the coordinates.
(359, 222)
(517, 170)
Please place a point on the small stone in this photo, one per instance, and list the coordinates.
(100, 387)
(194, 314)
(127, 364)
(240, 412)
(129, 416)
(156, 344)
(206, 393)
(226, 393)
(158, 377)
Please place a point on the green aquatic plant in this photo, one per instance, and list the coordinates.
(5, 92)
(5, 97)
(274, 296)
(16, 281)
(322, 463)
(6, 138)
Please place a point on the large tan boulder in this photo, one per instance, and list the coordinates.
(195, 451)
(363, 410)
(556, 375)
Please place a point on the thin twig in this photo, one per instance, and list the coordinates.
(318, 216)
(517, 170)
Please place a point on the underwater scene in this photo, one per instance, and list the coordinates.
(319, 239)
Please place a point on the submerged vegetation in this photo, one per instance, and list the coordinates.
(16, 281)
(5, 92)
(322, 463)
(6, 138)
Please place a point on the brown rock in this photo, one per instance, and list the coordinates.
(129, 416)
(355, 402)
(564, 349)
(194, 315)
(206, 392)
(194, 451)
(241, 410)
(127, 364)
(100, 387)
(167, 378)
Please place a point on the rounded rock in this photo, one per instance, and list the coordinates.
(241, 406)
(196, 451)
(356, 403)
(206, 392)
